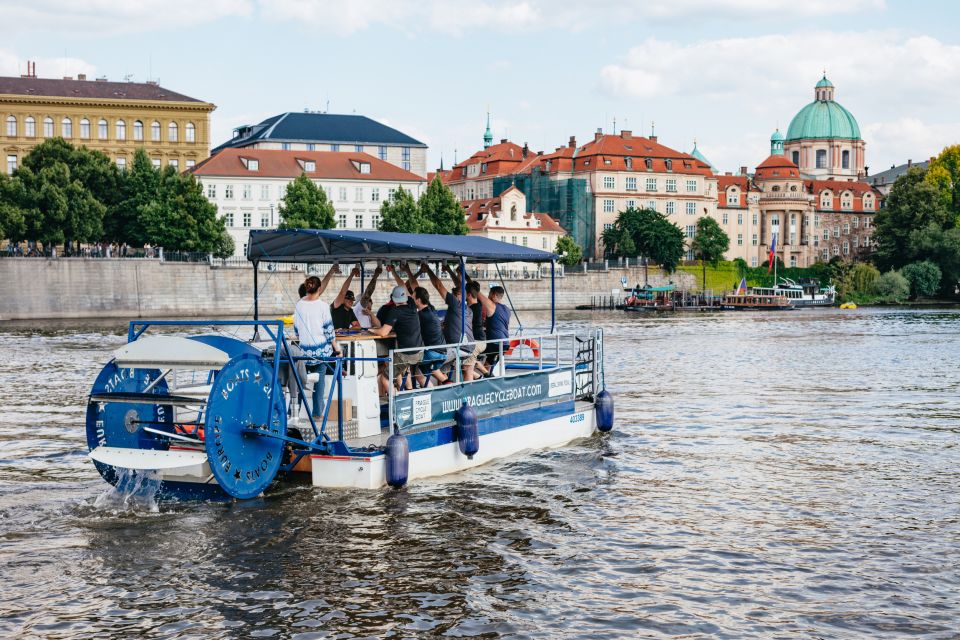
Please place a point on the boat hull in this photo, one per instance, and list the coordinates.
(437, 453)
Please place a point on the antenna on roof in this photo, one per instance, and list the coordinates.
(653, 129)
(328, 106)
(614, 125)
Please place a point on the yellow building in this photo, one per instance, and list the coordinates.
(113, 117)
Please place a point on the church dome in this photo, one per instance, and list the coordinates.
(824, 118)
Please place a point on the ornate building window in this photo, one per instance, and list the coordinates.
(66, 128)
(85, 129)
(821, 159)
(172, 132)
(48, 127)
(121, 130)
(845, 159)
(137, 130)
(774, 220)
(102, 129)
(11, 126)
(30, 127)
(155, 131)
(826, 200)
(796, 158)
(868, 201)
(733, 198)
(190, 132)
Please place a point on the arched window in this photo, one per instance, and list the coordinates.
(155, 131)
(629, 163)
(121, 130)
(826, 200)
(11, 126)
(48, 127)
(868, 201)
(845, 160)
(66, 128)
(513, 212)
(796, 158)
(774, 220)
(137, 130)
(821, 158)
(191, 132)
(172, 132)
(30, 127)
(102, 129)
(85, 129)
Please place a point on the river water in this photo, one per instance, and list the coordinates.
(788, 475)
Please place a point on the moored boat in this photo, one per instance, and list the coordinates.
(751, 301)
(218, 416)
(807, 293)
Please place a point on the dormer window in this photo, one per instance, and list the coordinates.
(649, 164)
(629, 162)
(309, 166)
(606, 161)
(362, 167)
(251, 164)
(669, 164)
(513, 212)
(483, 167)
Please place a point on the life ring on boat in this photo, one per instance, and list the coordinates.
(533, 345)
(191, 430)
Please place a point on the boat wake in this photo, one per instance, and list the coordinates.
(134, 491)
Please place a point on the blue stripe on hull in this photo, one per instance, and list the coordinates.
(446, 435)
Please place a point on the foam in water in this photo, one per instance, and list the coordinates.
(134, 491)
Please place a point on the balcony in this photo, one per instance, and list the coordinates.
(795, 196)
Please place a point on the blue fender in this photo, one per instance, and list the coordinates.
(398, 460)
(467, 435)
(603, 404)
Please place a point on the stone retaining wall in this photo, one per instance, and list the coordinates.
(80, 288)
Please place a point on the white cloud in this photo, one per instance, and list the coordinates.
(116, 16)
(13, 65)
(907, 138)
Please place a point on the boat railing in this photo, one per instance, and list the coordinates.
(530, 369)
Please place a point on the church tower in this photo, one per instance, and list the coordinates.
(776, 143)
(488, 135)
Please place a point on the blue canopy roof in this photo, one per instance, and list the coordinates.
(334, 245)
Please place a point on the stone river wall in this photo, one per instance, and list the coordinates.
(34, 288)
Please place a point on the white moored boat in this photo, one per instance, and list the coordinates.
(215, 416)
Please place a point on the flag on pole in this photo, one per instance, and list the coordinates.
(773, 254)
(742, 287)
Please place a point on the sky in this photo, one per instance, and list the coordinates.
(725, 73)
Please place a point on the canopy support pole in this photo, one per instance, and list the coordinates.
(463, 298)
(256, 299)
(553, 296)
(363, 279)
(509, 301)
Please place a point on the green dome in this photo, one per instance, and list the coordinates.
(823, 119)
(777, 136)
(702, 158)
(824, 82)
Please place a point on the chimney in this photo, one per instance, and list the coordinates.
(68, 77)
(728, 174)
(598, 134)
(81, 76)
(503, 140)
(539, 153)
(626, 134)
(653, 138)
(31, 70)
(526, 150)
(573, 142)
(909, 163)
(743, 170)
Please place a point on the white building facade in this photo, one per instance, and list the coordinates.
(248, 185)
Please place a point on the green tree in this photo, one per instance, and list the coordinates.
(855, 283)
(941, 246)
(913, 204)
(645, 232)
(892, 287)
(569, 251)
(401, 213)
(305, 206)
(440, 208)
(944, 174)
(924, 278)
(12, 221)
(138, 186)
(181, 218)
(709, 244)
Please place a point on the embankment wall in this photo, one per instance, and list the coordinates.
(34, 288)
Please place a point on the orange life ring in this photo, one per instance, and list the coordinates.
(527, 342)
(192, 430)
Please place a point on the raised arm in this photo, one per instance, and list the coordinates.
(368, 292)
(435, 281)
(489, 306)
(398, 279)
(338, 301)
(326, 279)
(411, 277)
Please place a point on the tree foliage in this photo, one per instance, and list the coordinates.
(569, 251)
(924, 278)
(891, 287)
(855, 283)
(139, 186)
(401, 213)
(944, 174)
(709, 244)
(305, 206)
(644, 232)
(913, 204)
(441, 209)
(12, 221)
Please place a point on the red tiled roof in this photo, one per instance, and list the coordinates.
(275, 163)
(776, 166)
(777, 161)
(504, 158)
(477, 212)
(89, 89)
(839, 186)
(739, 180)
(610, 153)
